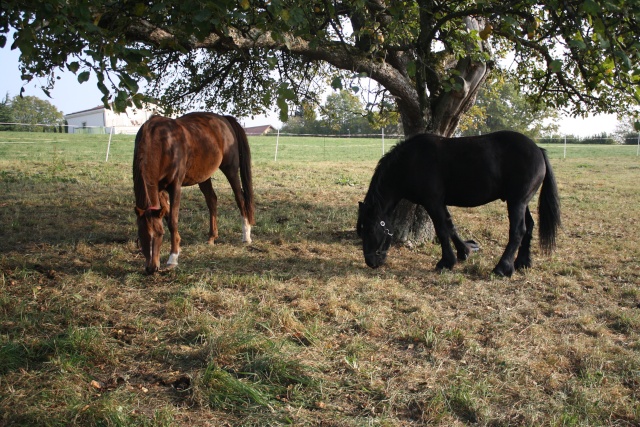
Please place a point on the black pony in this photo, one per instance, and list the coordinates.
(437, 172)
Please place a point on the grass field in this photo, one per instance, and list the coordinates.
(93, 148)
(295, 329)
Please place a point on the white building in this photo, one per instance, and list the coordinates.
(102, 120)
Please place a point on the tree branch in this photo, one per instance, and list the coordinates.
(395, 80)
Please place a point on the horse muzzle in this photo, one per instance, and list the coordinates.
(151, 269)
(376, 259)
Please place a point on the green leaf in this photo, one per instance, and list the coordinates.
(129, 82)
(336, 83)
(73, 67)
(284, 109)
(287, 93)
(121, 101)
(626, 62)
(139, 9)
(555, 66)
(579, 44)
(103, 88)
(608, 65)
(636, 126)
(591, 7)
(138, 100)
(83, 76)
(411, 68)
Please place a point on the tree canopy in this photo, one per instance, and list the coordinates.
(31, 112)
(341, 114)
(424, 59)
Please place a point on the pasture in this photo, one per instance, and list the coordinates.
(295, 329)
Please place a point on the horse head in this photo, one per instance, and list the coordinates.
(375, 230)
(150, 232)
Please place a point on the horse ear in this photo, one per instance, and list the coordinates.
(139, 212)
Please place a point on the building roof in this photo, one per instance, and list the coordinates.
(101, 107)
(258, 130)
(98, 108)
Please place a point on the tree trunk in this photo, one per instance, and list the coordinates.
(412, 225)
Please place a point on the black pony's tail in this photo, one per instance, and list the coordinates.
(548, 210)
(245, 169)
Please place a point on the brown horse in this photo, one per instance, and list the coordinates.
(172, 153)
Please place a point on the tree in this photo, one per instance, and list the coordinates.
(501, 105)
(343, 113)
(627, 129)
(36, 112)
(5, 113)
(428, 58)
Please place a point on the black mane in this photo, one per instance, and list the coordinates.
(389, 164)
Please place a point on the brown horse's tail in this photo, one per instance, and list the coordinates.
(548, 209)
(245, 168)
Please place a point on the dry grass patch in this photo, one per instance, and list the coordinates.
(295, 329)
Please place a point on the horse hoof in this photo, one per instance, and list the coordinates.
(502, 273)
(472, 245)
(443, 264)
(522, 264)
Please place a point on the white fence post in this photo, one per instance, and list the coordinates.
(109, 144)
(275, 158)
(565, 147)
(383, 140)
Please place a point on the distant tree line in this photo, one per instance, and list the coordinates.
(599, 139)
(500, 105)
(33, 115)
(625, 133)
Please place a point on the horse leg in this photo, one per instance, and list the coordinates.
(440, 223)
(523, 260)
(463, 248)
(234, 181)
(172, 222)
(212, 203)
(517, 229)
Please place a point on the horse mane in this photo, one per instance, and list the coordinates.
(144, 200)
(387, 166)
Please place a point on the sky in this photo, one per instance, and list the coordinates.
(69, 96)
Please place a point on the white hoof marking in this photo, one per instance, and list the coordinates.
(246, 231)
(173, 260)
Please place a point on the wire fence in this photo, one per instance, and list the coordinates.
(116, 145)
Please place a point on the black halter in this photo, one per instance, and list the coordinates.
(388, 235)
